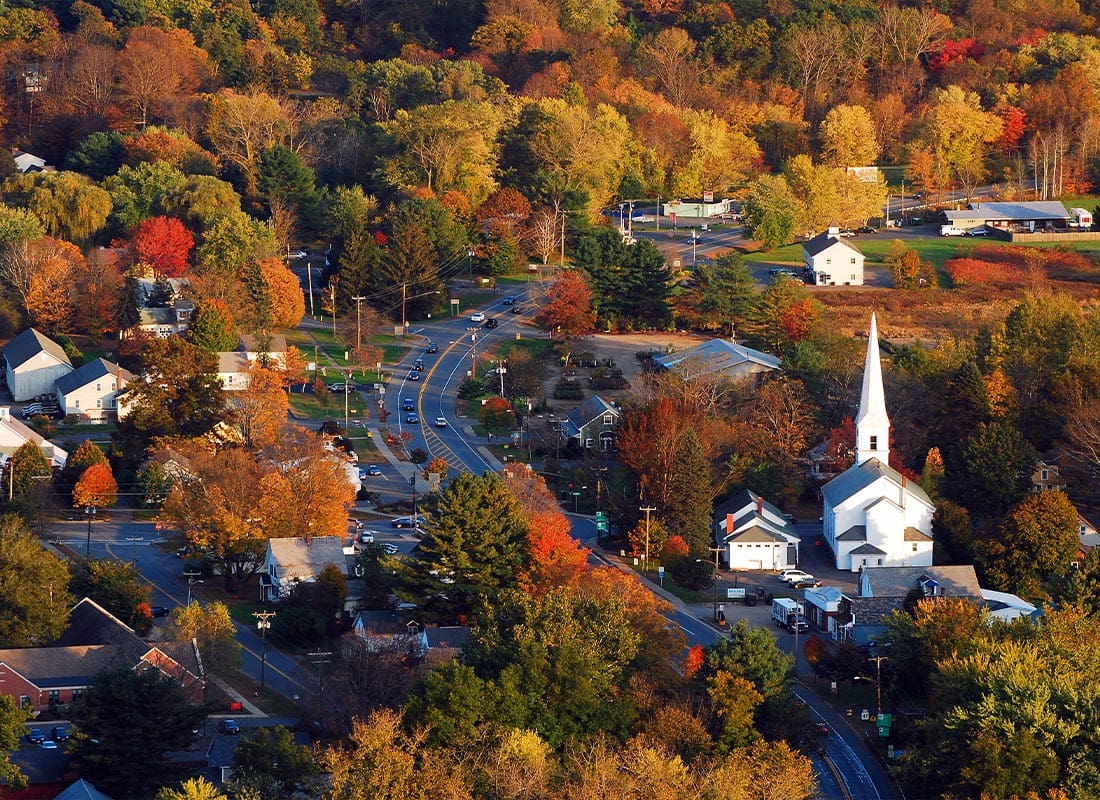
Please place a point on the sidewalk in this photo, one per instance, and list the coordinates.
(251, 708)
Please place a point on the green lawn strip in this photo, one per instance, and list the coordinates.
(299, 337)
(270, 702)
(308, 406)
(106, 428)
(536, 347)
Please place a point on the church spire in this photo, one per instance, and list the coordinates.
(872, 422)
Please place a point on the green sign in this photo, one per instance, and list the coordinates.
(601, 522)
(883, 722)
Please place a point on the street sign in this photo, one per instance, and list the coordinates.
(661, 571)
(708, 197)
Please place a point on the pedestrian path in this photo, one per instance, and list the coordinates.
(252, 709)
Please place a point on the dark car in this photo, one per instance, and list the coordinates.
(407, 522)
(432, 347)
(412, 419)
(408, 404)
(510, 300)
(60, 733)
(160, 611)
(414, 375)
(36, 736)
(491, 322)
(418, 365)
(867, 229)
(516, 310)
(805, 583)
(374, 470)
(229, 727)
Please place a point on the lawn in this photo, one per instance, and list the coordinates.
(309, 406)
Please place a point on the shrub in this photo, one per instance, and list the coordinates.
(471, 389)
(604, 378)
(568, 390)
(967, 271)
(692, 574)
(497, 414)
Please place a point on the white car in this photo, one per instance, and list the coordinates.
(440, 422)
(791, 576)
(299, 254)
(477, 316)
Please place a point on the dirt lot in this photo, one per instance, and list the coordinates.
(622, 347)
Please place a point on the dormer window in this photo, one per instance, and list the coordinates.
(930, 587)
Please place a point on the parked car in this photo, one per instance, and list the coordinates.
(491, 322)
(412, 419)
(299, 254)
(48, 744)
(36, 736)
(229, 727)
(160, 611)
(432, 347)
(978, 232)
(407, 522)
(809, 582)
(867, 229)
(477, 317)
(440, 422)
(791, 575)
(366, 537)
(510, 300)
(60, 733)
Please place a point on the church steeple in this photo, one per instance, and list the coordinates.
(872, 422)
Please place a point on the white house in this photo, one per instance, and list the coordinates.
(274, 349)
(92, 390)
(728, 358)
(32, 362)
(832, 260)
(872, 515)
(298, 559)
(28, 162)
(233, 371)
(754, 534)
(14, 434)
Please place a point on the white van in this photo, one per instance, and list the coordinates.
(951, 230)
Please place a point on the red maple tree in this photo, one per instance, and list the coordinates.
(165, 244)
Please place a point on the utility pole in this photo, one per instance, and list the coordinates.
(89, 511)
(404, 286)
(332, 288)
(500, 371)
(878, 680)
(647, 510)
(473, 354)
(347, 391)
(358, 320)
(309, 280)
(716, 551)
(263, 622)
(562, 239)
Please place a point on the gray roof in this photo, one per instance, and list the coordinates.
(823, 241)
(856, 533)
(82, 790)
(587, 412)
(30, 343)
(953, 581)
(868, 550)
(860, 476)
(92, 624)
(742, 502)
(251, 344)
(717, 355)
(59, 667)
(303, 560)
(93, 370)
(157, 316)
(1047, 210)
(384, 623)
(454, 636)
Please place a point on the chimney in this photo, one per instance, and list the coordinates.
(904, 489)
(760, 505)
(729, 524)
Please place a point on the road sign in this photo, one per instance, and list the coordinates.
(661, 571)
(708, 197)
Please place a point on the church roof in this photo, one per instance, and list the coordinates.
(872, 397)
(868, 550)
(860, 476)
(914, 535)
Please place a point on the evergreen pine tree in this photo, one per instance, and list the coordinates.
(689, 511)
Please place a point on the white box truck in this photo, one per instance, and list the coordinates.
(1081, 219)
(788, 613)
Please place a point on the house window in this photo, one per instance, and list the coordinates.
(98, 403)
(114, 386)
(853, 261)
(874, 443)
(97, 387)
(1044, 474)
(880, 562)
(76, 404)
(54, 697)
(853, 276)
(77, 694)
(828, 261)
(24, 701)
(914, 547)
(609, 418)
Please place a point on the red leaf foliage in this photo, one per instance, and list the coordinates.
(675, 548)
(968, 271)
(693, 662)
(165, 244)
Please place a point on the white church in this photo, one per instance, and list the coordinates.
(873, 516)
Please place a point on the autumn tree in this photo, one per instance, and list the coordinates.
(69, 205)
(1036, 541)
(288, 303)
(556, 558)
(50, 300)
(165, 244)
(192, 789)
(848, 137)
(212, 627)
(36, 589)
(567, 312)
(258, 411)
(96, 488)
(771, 211)
(242, 126)
(648, 441)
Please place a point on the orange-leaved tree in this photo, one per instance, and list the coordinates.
(438, 465)
(556, 557)
(96, 487)
(568, 312)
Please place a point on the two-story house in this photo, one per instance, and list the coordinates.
(91, 391)
(592, 424)
(32, 363)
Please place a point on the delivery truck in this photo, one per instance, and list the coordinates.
(788, 613)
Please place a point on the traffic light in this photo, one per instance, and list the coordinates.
(570, 487)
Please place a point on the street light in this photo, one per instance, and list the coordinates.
(263, 622)
(406, 297)
(89, 512)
